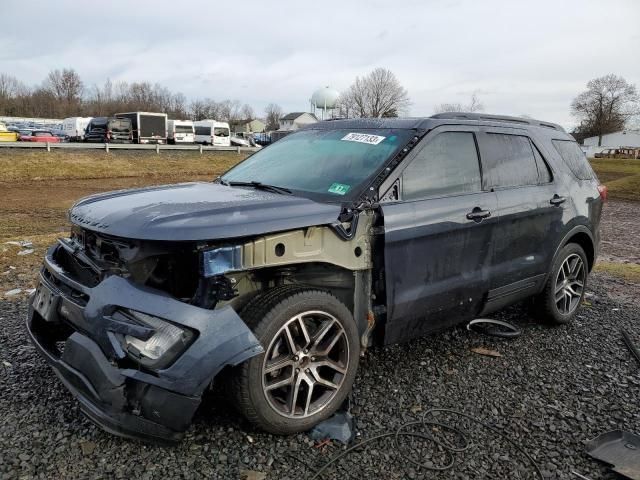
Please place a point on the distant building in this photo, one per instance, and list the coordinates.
(624, 138)
(295, 120)
(248, 126)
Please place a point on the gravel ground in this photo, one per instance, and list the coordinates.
(551, 390)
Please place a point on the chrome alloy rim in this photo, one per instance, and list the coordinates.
(305, 364)
(570, 284)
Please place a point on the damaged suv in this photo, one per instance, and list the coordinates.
(277, 275)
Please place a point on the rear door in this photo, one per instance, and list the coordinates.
(528, 217)
(438, 233)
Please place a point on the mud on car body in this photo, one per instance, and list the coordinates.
(275, 277)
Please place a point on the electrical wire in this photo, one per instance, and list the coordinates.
(449, 449)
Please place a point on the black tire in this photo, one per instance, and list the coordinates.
(267, 314)
(546, 305)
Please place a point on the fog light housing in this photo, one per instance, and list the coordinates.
(161, 348)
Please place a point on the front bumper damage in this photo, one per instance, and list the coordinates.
(79, 339)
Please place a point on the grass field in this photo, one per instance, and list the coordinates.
(37, 188)
(622, 177)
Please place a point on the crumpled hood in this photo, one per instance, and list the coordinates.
(197, 211)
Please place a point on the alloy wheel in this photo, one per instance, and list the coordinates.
(570, 284)
(305, 364)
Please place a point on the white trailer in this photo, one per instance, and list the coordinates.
(74, 127)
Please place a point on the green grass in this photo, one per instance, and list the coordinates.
(622, 177)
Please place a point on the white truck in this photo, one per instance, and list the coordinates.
(74, 127)
(180, 131)
(212, 132)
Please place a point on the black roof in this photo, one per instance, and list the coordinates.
(294, 115)
(459, 118)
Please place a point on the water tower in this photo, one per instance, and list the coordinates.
(324, 101)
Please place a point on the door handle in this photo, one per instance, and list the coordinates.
(557, 200)
(477, 214)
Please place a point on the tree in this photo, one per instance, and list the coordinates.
(379, 94)
(605, 107)
(66, 86)
(475, 105)
(273, 114)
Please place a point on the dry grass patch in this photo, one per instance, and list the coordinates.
(628, 271)
(23, 166)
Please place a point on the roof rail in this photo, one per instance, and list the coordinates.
(496, 118)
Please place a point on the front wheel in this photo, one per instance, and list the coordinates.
(309, 364)
(563, 293)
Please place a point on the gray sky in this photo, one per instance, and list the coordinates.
(521, 57)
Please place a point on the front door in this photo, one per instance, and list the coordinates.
(438, 235)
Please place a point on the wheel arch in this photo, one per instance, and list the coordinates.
(581, 235)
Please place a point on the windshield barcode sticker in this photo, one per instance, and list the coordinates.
(363, 138)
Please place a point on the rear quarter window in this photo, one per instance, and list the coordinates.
(574, 158)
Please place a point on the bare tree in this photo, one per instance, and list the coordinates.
(67, 87)
(273, 114)
(474, 105)
(247, 112)
(606, 106)
(379, 94)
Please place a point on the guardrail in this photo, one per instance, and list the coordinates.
(122, 146)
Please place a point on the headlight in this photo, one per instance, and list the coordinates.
(162, 347)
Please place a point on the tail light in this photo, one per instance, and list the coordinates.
(604, 192)
(108, 133)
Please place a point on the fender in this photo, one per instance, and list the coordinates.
(565, 239)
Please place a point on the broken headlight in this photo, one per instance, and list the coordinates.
(167, 341)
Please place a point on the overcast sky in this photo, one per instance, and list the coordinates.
(521, 57)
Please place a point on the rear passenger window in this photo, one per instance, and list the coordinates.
(508, 161)
(447, 165)
(575, 158)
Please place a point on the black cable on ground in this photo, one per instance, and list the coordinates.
(479, 325)
(448, 448)
(630, 345)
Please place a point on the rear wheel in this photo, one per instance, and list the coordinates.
(563, 293)
(309, 364)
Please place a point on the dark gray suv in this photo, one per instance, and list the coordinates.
(277, 275)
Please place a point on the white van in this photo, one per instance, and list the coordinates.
(74, 127)
(210, 132)
(180, 131)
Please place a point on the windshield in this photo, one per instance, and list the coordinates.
(41, 134)
(221, 132)
(333, 164)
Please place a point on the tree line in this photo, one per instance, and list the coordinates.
(64, 94)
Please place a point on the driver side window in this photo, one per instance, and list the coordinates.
(447, 165)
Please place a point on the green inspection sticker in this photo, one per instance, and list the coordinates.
(339, 188)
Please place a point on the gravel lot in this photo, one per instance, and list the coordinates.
(551, 390)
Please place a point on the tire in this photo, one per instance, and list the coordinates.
(293, 359)
(562, 296)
